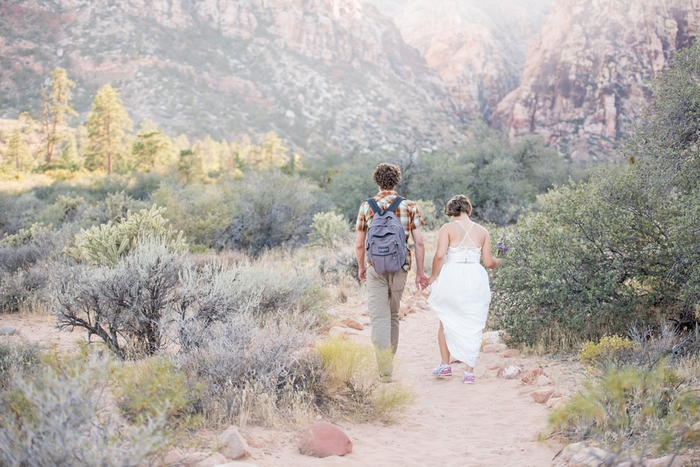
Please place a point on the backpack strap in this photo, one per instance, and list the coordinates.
(395, 204)
(392, 207)
(373, 205)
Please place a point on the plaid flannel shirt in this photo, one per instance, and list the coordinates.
(407, 213)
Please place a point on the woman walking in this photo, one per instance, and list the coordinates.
(460, 294)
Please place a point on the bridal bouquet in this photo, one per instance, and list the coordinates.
(502, 245)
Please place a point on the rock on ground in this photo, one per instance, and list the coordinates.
(509, 372)
(542, 395)
(354, 324)
(8, 331)
(234, 446)
(531, 375)
(323, 439)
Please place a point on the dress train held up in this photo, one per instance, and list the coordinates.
(461, 296)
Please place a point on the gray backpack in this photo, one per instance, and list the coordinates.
(386, 238)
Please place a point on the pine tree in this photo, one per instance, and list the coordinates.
(152, 147)
(243, 154)
(107, 124)
(18, 153)
(70, 158)
(273, 154)
(56, 110)
(190, 166)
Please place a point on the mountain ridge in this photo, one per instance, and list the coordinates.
(326, 75)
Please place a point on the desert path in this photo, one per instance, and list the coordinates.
(488, 424)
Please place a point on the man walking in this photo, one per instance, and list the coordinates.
(384, 290)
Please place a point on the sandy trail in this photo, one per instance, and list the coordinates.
(450, 423)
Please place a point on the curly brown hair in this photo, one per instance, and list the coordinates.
(457, 205)
(387, 176)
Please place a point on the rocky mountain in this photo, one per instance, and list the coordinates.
(327, 75)
(588, 71)
(477, 47)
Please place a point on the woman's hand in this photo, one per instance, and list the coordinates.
(432, 279)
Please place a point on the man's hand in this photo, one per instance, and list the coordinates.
(362, 273)
(421, 281)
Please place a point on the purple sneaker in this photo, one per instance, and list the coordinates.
(468, 378)
(443, 370)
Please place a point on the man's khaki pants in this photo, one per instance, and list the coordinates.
(383, 299)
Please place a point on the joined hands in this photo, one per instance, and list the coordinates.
(422, 281)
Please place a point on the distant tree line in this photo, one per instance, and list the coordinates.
(106, 142)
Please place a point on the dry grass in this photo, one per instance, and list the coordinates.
(353, 383)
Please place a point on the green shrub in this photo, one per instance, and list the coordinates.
(573, 275)
(124, 306)
(622, 249)
(59, 417)
(200, 211)
(18, 359)
(253, 372)
(348, 365)
(106, 243)
(26, 290)
(338, 266)
(609, 349)
(153, 388)
(271, 210)
(634, 411)
(430, 215)
(328, 228)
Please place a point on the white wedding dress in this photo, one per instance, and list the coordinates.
(461, 296)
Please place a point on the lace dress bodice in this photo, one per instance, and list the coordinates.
(464, 253)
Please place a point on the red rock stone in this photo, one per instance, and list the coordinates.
(234, 446)
(353, 324)
(542, 395)
(510, 353)
(531, 375)
(323, 439)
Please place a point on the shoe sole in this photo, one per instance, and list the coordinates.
(442, 376)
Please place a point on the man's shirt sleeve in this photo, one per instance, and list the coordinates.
(416, 219)
(362, 225)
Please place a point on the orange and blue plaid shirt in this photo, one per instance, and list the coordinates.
(407, 213)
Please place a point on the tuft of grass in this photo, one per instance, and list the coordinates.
(352, 380)
(391, 400)
(154, 387)
(347, 364)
